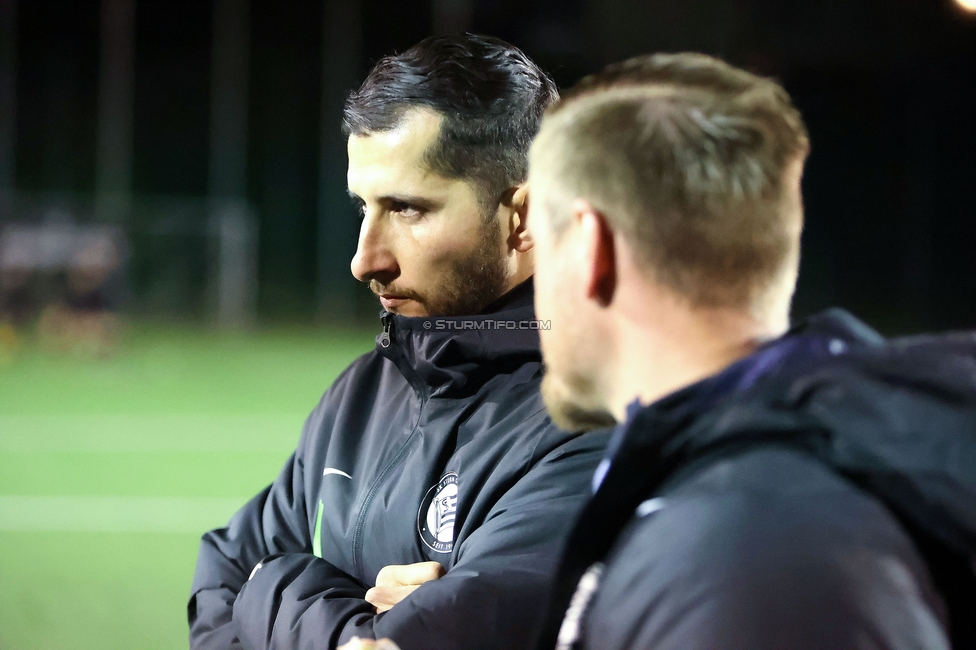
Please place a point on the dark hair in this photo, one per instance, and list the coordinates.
(491, 97)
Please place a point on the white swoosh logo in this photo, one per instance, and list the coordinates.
(649, 506)
(333, 470)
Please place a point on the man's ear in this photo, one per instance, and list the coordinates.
(519, 238)
(597, 253)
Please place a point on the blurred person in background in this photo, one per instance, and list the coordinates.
(17, 304)
(68, 279)
(767, 487)
(429, 493)
(85, 317)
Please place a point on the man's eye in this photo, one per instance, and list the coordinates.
(406, 210)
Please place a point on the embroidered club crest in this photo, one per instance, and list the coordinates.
(435, 520)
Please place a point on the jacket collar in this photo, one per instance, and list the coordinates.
(804, 384)
(823, 336)
(456, 355)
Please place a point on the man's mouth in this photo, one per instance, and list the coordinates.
(392, 297)
(391, 302)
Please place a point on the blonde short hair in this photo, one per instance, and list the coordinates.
(690, 159)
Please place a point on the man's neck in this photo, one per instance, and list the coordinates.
(521, 269)
(521, 273)
(515, 295)
(677, 346)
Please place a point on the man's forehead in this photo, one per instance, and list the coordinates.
(396, 155)
(415, 132)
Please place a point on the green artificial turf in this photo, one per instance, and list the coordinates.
(170, 434)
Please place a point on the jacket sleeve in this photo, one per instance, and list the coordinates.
(273, 522)
(490, 598)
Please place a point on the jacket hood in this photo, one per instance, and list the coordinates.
(456, 355)
(896, 417)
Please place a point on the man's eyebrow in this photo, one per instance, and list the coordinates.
(409, 199)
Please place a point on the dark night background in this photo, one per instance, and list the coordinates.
(886, 87)
(202, 136)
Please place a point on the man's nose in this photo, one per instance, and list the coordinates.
(374, 260)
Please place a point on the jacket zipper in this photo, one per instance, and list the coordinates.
(361, 521)
(387, 320)
(385, 341)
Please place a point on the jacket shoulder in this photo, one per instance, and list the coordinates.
(361, 383)
(765, 550)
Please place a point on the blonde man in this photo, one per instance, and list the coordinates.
(766, 488)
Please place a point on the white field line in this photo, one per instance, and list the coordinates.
(95, 433)
(115, 514)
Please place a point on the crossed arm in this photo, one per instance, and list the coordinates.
(394, 583)
(297, 600)
(397, 581)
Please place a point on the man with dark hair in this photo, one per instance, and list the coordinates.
(429, 492)
(767, 488)
(490, 108)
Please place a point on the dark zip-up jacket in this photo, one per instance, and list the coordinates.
(435, 446)
(819, 494)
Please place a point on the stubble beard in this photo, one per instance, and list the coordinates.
(472, 280)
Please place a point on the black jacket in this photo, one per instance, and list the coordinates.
(819, 494)
(435, 446)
